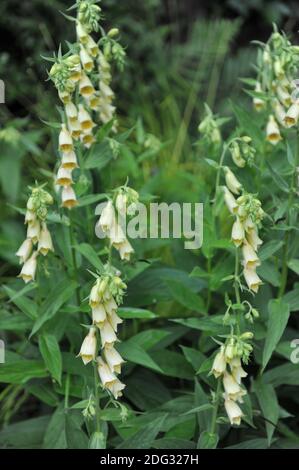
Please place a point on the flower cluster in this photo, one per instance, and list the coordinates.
(228, 365)
(275, 88)
(242, 152)
(248, 215)
(82, 78)
(105, 297)
(37, 233)
(113, 219)
(210, 127)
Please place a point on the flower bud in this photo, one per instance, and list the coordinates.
(113, 32)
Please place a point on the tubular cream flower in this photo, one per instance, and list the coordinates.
(231, 181)
(292, 115)
(272, 131)
(86, 60)
(219, 364)
(75, 129)
(88, 349)
(29, 268)
(94, 296)
(237, 370)
(33, 231)
(65, 140)
(114, 320)
(108, 336)
(69, 161)
(25, 250)
(253, 239)
(116, 389)
(125, 249)
(252, 279)
(230, 201)
(106, 374)
(233, 411)
(92, 47)
(232, 388)
(71, 112)
(30, 216)
(238, 232)
(113, 359)
(86, 88)
(99, 315)
(110, 306)
(251, 260)
(64, 177)
(84, 119)
(82, 35)
(68, 197)
(45, 241)
(107, 217)
(258, 103)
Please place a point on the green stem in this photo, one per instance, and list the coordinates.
(237, 287)
(97, 398)
(216, 406)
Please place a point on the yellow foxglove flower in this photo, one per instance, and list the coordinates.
(82, 35)
(121, 203)
(284, 96)
(252, 279)
(86, 60)
(88, 349)
(230, 201)
(253, 239)
(95, 296)
(107, 217)
(113, 359)
(65, 140)
(110, 306)
(30, 216)
(29, 269)
(99, 315)
(108, 336)
(94, 102)
(125, 249)
(292, 115)
(71, 112)
(45, 241)
(87, 140)
(65, 96)
(251, 260)
(238, 232)
(237, 370)
(64, 177)
(106, 374)
(219, 364)
(116, 234)
(258, 103)
(232, 388)
(68, 197)
(25, 250)
(117, 388)
(106, 91)
(279, 112)
(75, 129)
(69, 161)
(231, 181)
(86, 88)
(33, 231)
(92, 47)
(114, 320)
(233, 411)
(273, 133)
(84, 119)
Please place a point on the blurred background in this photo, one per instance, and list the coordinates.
(181, 54)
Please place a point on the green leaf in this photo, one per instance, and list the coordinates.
(26, 305)
(75, 436)
(213, 324)
(98, 156)
(58, 296)
(293, 264)
(144, 438)
(27, 434)
(91, 199)
(173, 443)
(267, 250)
(248, 124)
(173, 364)
(21, 371)
(130, 312)
(269, 405)
(136, 354)
(208, 440)
(51, 354)
(279, 313)
(90, 254)
(280, 182)
(55, 437)
(185, 296)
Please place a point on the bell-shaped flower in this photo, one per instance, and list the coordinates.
(88, 349)
(25, 250)
(29, 269)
